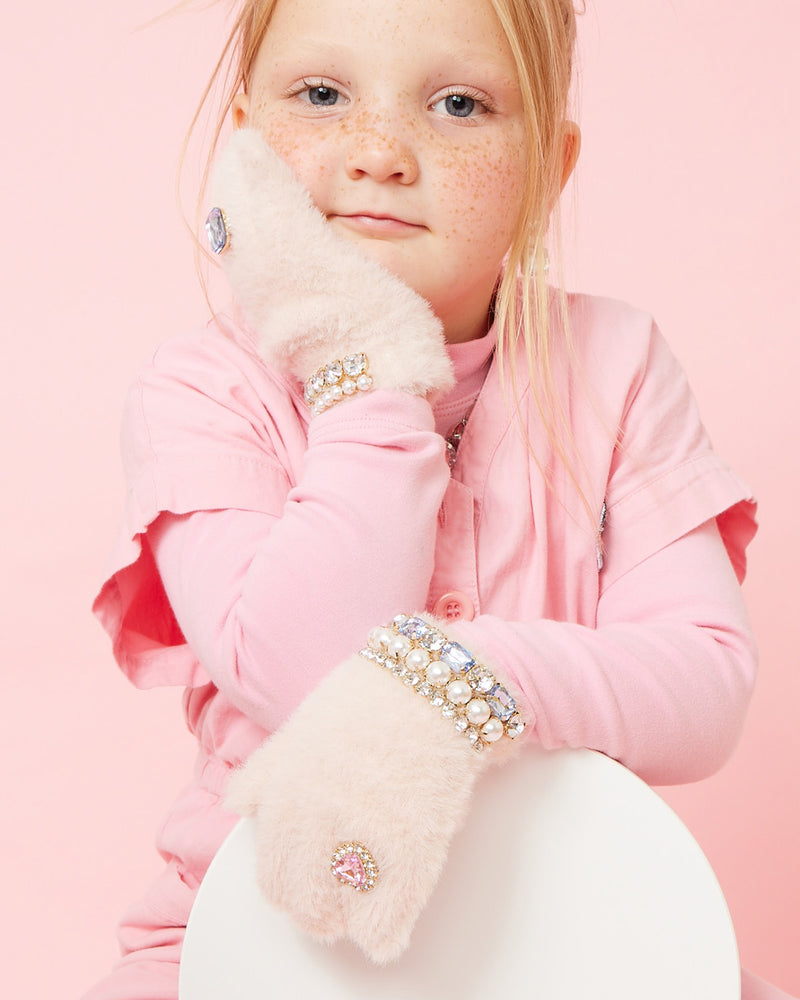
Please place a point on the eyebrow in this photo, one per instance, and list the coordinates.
(317, 46)
(324, 48)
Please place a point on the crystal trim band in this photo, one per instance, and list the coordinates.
(336, 380)
(449, 677)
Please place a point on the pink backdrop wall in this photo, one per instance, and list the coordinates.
(686, 202)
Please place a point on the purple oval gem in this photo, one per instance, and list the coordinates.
(217, 230)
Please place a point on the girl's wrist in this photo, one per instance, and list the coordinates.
(350, 374)
(464, 691)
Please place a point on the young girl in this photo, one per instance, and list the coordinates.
(407, 503)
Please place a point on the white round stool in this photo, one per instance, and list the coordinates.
(582, 883)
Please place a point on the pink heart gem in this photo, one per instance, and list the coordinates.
(350, 869)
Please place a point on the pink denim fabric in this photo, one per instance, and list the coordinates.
(353, 517)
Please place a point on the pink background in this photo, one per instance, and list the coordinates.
(686, 201)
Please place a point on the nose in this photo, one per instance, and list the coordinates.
(382, 152)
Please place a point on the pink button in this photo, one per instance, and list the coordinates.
(454, 605)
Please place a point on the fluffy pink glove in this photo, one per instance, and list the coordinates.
(310, 295)
(370, 760)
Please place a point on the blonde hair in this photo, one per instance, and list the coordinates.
(541, 34)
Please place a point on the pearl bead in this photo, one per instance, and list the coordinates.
(417, 659)
(459, 692)
(478, 712)
(380, 637)
(398, 646)
(438, 673)
(492, 730)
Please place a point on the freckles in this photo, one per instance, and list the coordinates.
(480, 185)
(393, 127)
(471, 176)
(308, 163)
(284, 145)
(274, 131)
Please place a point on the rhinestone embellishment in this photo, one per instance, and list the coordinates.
(217, 231)
(453, 440)
(467, 694)
(337, 379)
(353, 865)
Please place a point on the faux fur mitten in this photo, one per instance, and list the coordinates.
(367, 762)
(311, 296)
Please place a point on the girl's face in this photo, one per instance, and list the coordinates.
(404, 120)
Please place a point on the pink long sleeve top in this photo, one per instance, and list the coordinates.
(260, 546)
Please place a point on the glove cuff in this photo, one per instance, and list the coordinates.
(464, 691)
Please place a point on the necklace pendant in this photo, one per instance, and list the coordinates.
(452, 451)
(453, 440)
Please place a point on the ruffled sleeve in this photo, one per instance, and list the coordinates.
(665, 478)
(266, 567)
(199, 433)
(650, 659)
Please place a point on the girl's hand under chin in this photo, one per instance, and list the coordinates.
(310, 295)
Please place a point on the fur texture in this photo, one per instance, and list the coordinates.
(310, 295)
(363, 758)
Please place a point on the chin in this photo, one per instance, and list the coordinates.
(385, 253)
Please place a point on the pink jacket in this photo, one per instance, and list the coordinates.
(259, 548)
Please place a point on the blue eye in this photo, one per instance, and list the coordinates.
(462, 105)
(459, 105)
(324, 97)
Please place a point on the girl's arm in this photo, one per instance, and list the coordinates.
(659, 683)
(269, 602)
(347, 506)
(662, 684)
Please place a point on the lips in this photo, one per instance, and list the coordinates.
(376, 224)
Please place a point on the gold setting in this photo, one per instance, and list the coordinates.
(336, 381)
(366, 870)
(447, 675)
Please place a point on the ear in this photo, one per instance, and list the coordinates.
(570, 152)
(240, 109)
